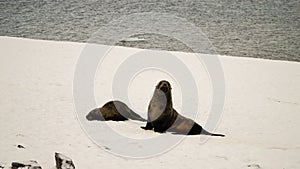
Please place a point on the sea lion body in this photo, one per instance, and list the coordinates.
(115, 111)
(160, 110)
(162, 117)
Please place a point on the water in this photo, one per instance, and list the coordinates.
(257, 28)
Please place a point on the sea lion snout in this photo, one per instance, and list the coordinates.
(93, 115)
(164, 88)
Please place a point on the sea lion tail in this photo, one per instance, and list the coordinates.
(130, 114)
(137, 117)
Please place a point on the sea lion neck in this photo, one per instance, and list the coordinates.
(163, 98)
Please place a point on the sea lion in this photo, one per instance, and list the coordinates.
(162, 117)
(115, 111)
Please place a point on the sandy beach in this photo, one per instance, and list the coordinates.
(260, 118)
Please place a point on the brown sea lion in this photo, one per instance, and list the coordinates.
(115, 111)
(162, 117)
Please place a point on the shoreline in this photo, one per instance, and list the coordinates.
(64, 41)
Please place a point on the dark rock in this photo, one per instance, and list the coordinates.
(20, 146)
(63, 162)
(26, 165)
(17, 165)
(256, 166)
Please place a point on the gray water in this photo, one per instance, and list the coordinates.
(253, 28)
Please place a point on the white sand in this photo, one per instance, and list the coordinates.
(260, 119)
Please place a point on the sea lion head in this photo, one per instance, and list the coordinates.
(164, 86)
(94, 115)
(163, 92)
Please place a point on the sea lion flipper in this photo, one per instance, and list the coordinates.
(148, 126)
(221, 135)
(204, 132)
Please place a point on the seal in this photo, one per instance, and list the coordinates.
(163, 118)
(115, 111)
